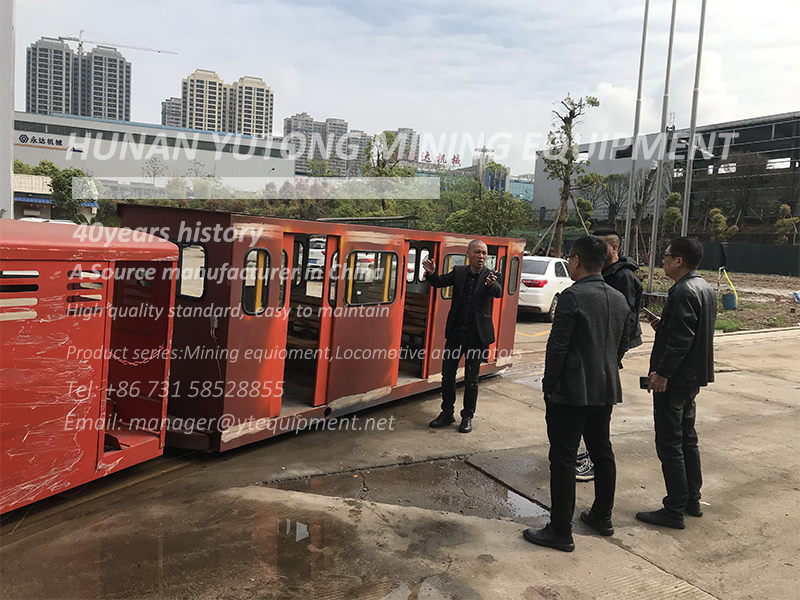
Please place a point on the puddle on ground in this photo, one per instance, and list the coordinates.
(447, 485)
(229, 549)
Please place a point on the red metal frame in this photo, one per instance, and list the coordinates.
(61, 348)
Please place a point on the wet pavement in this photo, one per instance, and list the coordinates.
(445, 485)
(417, 513)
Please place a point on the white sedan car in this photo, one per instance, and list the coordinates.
(542, 280)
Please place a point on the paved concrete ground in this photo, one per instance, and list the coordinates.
(421, 513)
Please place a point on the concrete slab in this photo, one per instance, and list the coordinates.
(203, 526)
(255, 542)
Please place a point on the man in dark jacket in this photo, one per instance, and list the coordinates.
(682, 360)
(620, 273)
(469, 330)
(581, 385)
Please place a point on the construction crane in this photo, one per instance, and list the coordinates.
(80, 41)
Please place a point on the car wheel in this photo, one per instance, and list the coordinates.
(552, 312)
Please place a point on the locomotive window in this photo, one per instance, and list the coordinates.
(450, 261)
(255, 287)
(371, 277)
(299, 263)
(283, 276)
(192, 264)
(513, 276)
(501, 268)
(411, 269)
(334, 279)
(424, 255)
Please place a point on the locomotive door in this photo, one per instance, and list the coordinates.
(368, 317)
(253, 385)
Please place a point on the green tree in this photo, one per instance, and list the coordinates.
(154, 167)
(585, 210)
(591, 187)
(45, 168)
(493, 213)
(61, 192)
(384, 153)
(21, 168)
(672, 214)
(720, 232)
(320, 168)
(786, 224)
(497, 175)
(176, 188)
(561, 159)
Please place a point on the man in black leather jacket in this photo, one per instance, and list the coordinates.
(581, 385)
(469, 330)
(682, 360)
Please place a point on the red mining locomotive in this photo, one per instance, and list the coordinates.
(236, 328)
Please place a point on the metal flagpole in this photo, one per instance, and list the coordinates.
(690, 157)
(635, 144)
(661, 151)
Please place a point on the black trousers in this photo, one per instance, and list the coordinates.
(468, 343)
(676, 445)
(565, 425)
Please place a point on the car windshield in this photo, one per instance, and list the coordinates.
(317, 244)
(534, 267)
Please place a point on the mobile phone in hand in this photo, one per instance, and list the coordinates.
(644, 382)
(650, 316)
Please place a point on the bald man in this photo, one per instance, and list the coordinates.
(469, 330)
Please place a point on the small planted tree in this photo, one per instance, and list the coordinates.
(720, 232)
(561, 159)
(786, 224)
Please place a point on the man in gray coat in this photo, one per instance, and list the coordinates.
(681, 362)
(581, 385)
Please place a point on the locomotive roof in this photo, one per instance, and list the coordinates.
(22, 240)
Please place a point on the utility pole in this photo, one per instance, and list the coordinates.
(635, 144)
(661, 151)
(690, 157)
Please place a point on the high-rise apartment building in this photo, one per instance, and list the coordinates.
(108, 84)
(204, 102)
(244, 106)
(49, 81)
(299, 129)
(317, 140)
(357, 142)
(171, 112)
(60, 80)
(250, 107)
(411, 143)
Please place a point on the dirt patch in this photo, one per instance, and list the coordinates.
(764, 300)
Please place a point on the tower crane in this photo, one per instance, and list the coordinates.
(80, 41)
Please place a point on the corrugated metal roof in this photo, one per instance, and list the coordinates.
(31, 184)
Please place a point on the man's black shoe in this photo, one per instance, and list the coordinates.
(549, 538)
(694, 510)
(466, 425)
(602, 526)
(443, 420)
(662, 518)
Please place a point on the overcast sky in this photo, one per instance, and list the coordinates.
(451, 68)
